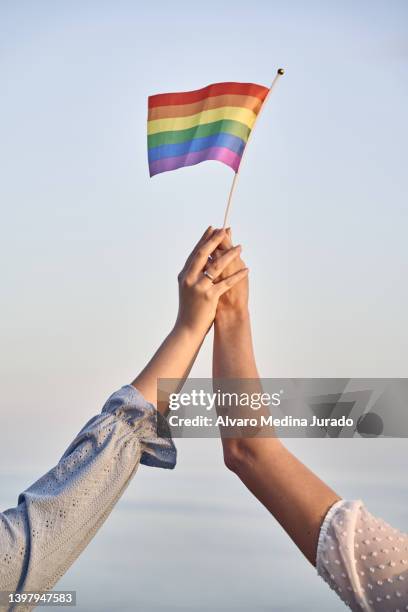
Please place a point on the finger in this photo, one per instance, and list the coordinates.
(208, 232)
(227, 242)
(204, 251)
(218, 265)
(224, 246)
(224, 285)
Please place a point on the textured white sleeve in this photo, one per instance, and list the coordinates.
(363, 559)
(60, 513)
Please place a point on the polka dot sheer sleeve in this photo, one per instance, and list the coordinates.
(363, 559)
(59, 514)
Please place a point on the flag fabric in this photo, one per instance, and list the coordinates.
(186, 128)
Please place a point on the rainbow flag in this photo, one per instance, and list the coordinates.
(186, 128)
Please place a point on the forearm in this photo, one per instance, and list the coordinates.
(234, 368)
(173, 360)
(295, 496)
(233, 354)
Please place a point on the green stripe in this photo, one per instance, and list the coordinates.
(236, 128)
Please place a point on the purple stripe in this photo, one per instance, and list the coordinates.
(221, 154)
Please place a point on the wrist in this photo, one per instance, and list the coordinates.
(227, 317)
(188, 333)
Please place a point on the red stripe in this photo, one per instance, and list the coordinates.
(216, 89)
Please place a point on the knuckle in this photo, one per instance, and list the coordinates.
(188, 282)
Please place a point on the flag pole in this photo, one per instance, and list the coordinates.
(279, 73)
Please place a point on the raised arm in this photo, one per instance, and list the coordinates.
(295, 496)
(60, 513)
(198, 298)
(361, 557)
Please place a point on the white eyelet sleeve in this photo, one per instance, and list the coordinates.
(59, 514)
(363, 559)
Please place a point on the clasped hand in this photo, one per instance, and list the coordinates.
(213, 271)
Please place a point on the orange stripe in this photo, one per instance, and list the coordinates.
(184, 110)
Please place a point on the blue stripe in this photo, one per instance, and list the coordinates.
(222, 139)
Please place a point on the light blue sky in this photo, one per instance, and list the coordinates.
(90, 246)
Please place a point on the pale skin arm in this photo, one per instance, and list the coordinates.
(198, 298)
(295, 496)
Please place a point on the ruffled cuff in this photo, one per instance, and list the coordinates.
(148, 424)
(323, 532)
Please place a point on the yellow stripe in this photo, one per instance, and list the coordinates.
(244, 115)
